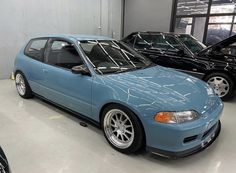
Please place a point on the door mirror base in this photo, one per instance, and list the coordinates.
(81, 69)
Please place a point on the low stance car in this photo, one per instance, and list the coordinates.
(216, 65)
(136, 102)
(4, 168)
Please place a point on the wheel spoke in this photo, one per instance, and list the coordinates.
(122, 137)
(127, 131)
(113, 125)
(114, 131)
(127, 126)
(113, 120)
(121, 117)
(116, 116)
(126, 136)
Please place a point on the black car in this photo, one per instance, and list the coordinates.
(216, 64)
(4, 168)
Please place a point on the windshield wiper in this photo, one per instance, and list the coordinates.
(128, 69)
(150, 65)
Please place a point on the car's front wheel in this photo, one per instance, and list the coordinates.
(22, 86)
(222, 84)
(122, 129)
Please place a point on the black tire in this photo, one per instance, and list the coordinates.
(139, 138)
(28, 92)
(226, 77)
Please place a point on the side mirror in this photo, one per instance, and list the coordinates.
(80, 69)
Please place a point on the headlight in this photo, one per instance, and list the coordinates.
(176, 117)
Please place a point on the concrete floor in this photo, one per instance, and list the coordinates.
(40, 138)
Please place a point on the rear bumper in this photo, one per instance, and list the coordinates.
(205, 144)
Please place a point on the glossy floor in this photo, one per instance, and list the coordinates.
(40, 138)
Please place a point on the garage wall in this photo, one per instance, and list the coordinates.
(21, 20)
(148, 15)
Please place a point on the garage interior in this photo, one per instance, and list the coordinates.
(39, 137)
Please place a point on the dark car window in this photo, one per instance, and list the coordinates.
(35, 49)
(161, 42)
(165, 42)
(62, 54)
(130, 40)
(194, 45)
(142, 42)
(112, 56)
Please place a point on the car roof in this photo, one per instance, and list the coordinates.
(77, 37)
(157, 32)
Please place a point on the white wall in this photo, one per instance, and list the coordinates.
(23, 19)
(147, 15)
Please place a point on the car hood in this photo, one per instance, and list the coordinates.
(161, 87)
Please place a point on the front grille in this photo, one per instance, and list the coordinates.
(208, 131)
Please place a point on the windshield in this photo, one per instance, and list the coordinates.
(160, 42)
(193, 44)
(113, 57)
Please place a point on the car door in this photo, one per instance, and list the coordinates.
(63, 87)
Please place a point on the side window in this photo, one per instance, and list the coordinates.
(35, 49)
(165, 42)
(142, 42)
(63, 54)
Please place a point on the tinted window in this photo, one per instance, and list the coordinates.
(62, 54)
(165, 42)
(112, 56)
(157, 41)
(130, 40)
(194, 45)
(35, 49)
(142, 42)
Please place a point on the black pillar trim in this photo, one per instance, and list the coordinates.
(207, 21)
(173, 15)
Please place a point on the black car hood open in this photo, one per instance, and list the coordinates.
(229, 40)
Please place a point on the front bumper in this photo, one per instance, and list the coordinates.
(214, 133)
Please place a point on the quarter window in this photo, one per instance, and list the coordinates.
(35, 49)
(63, 54)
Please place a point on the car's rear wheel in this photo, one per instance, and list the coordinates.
(122, 129)
(222, 84)
(22, 86)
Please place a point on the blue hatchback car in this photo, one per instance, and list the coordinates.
(136, 102)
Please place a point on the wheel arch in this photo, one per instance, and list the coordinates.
(16, 71)
(219, 71)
